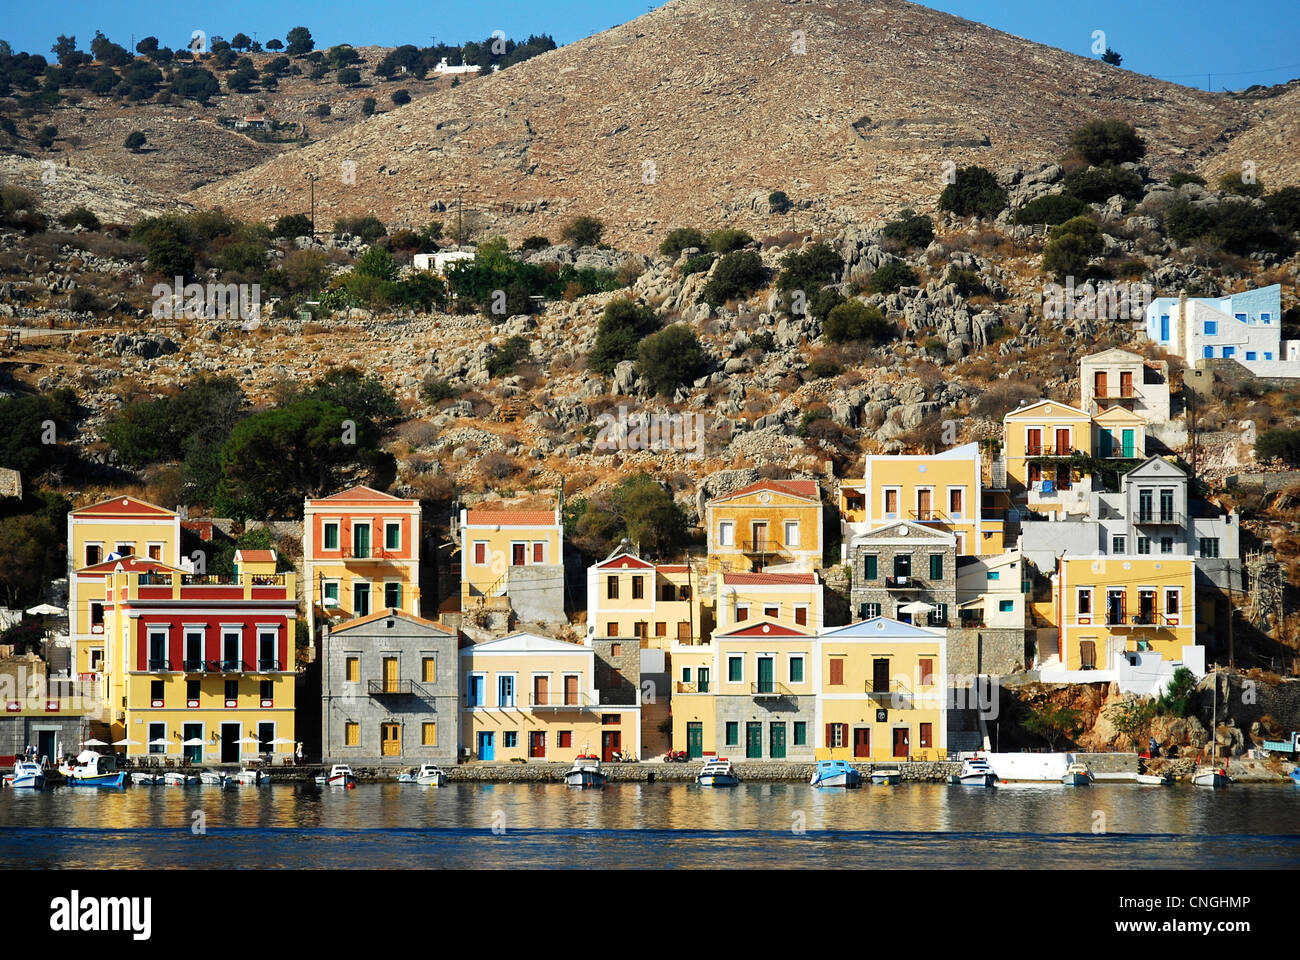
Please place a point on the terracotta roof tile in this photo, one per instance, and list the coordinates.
(768, 579)
(513, 518)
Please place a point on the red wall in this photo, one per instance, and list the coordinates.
(212, 638)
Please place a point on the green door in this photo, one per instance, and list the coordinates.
(361, 541)
(777, 736)
(754, 741)
(1107, 443)
(695, 740)
(765, 675)
(702, 681)
(1128, 444)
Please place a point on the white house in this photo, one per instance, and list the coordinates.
(1246, 327)
(437, 262)
(460, 68)
(1120, 378)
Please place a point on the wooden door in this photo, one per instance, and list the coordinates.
(361, 540)
(923, 504)
(862, 741)
(695, 740)
(390, 674)
(518, 554)
(1126, 384)
(1033, 442)
(390, 739)
(759, 533)
(610, 743)
(541, 690)
(1062, 443)
(880, 676)
(754, 741)
(1099, 385)
(571, 690)
(766, 683)
(902, 741)
(537, 744)
(776, 741)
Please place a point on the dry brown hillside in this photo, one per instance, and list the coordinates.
(709, 99)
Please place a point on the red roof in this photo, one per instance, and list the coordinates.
(256, 556)
(805, 489)
(768, 579)
(625, 560)
(511, 518)
(673, 568)
(360, 494)
(763, 629)
(123, 507)
(131, 564)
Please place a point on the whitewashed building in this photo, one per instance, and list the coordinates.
(1246, 327)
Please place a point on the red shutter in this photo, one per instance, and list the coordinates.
(830, 734)
(837, 672)
(801, 615)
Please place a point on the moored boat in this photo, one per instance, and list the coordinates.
(248, 777)
(1077, 775)
(27, 775)
(835, 773)
(1155, 780)
(1210, 777)
(174, 778)
(91, 769)
(717, 772)
(340, 775)
(886, 776)
(429, 775)
(146, 779)
(975, 772)
(213, 778)
(1295, 775)
(585, 772)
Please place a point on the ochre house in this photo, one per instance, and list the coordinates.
(658, 604)
(774, 524)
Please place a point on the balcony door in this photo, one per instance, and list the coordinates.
(880, 676)
(758, 531)
(541, 690)
(1033, 442)
(1099, 385)
(361, 599)
(765, 675)
(1126, 383)
(390, 674)
(361, 540)
(1062, 443)
(194, 650)
(571, 690)
(923, 504)
(230, 653)
(266, 659)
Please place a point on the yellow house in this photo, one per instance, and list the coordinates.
(659, 604)
(535, 698)
(115, 528)
(206, 663)
(1119, 434)
(760, 680)
(1038, 441)
(693, 706)
(769, 524)
(361, 553)
(498, 546)
(943, 490)
(881, 692)
(794, 599)
(1115, 613)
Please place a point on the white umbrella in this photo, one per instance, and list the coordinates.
(93, 743)
(160, 742)
(248, 740)
(126, 743)
(281, 740)
(916, 606)
(45, 609)
(193, 742)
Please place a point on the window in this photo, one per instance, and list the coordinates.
(1250, 354)
(1268, 355)
(796, 669)
(612, 629)
(742, 612)
(792, 533)
(801, 615)
(1172, 603)
(1211, 328)
(125, 548)
(1117, 544)
(361, 598)
(392, 536)
(232, 690)
(902, 566)
(157, 731)
(1085, 603)
(638, 588)
(995, 574)
(667, 593)
(1164, 328)
(97, 617)
(331, 593)
(735, 669)
(155, 551)
(351, 734)
(936, 566)
(684, 593)
(800, 733)
(837, 734)
(732, 733)
(616, 649)
(1209, 546)
(429, 734)
(156, 688)
(954, 502)
(1229, 352)
(429, 669)
(94, 553)
(891, 503)
(480, 553)
(266, 690)
(641, 629)
(1006, 606)
(506, 691)
(1144, 544)
(1266, 318)
(773, 613)
(869, 566)
(1166, 544)
(611, 588)
(393, 595)
(1239, 317)
(539, 551)
(837, 671)
(510, 738)
(611, 719)
(870, 611)
(564, 738)
(354, 670)
(727, 533)
(331, 532)
(192, 689)
(927, 671)
(661, 628)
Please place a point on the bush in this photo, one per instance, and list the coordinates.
(736, 275)
(1108, 141)
(1071, 246)
(378, 263)
(809, 269)
(726, 240)
(697, 264)
(1279, 444)
(854, 321)
(1237, 227)
(1099, 184)
(535, 243)
(349, 76)
(504, 358)
(823, 368)
(671, 358)
(975, 192)
(910, 230)
(1052, 209)
(1181, 177)
(582, 231)
(294, 225)
(368, 106)
(435, 390)
(369, 228)
(622, 327)
(80, 217)
(764, 342)
(1284, 207)
(401, 97)
(1235, 184)
(823, 302)
(134, 141)
(969, 283)
(680, 239)
(778, 202)
(890, 277)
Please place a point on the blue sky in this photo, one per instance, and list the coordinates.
(1246, 42)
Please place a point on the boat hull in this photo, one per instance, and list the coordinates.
(718, 780)
(437, 781)
(1215, 780)
(109, 780)
(1076, 780)
(1151, 780)
(35, 781)
(584, 778)
(850, 779)
(977, 780)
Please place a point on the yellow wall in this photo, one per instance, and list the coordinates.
(911, 703)
(662, 619)
(760, 597)
(478, 579)
(211, 710)
(688, 704)
(743, 512)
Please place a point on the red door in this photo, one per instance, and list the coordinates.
(862, 741)
(537, 744)
(610, 742)
(901, 742)
(1034, 443)
(518, 553)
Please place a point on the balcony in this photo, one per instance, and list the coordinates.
(1049, 450)
(566, 701)
(928, 516)
(683, 686)
(765, 547)
(269, 664)
(1147, 618)
(371, 553)
(1158, 518)
(159, 665)
(894, 691)
(194, 666)
(397, 688)
(761, 689)
(227, 666)
(904, 583)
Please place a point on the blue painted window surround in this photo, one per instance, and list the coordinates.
(1211, 328)
(1208, 352)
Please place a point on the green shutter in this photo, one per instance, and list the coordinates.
(869, 567)
(735, 669)
(936, 566)
(796, 670)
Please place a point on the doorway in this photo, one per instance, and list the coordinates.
(487, 746)
(776, 741)
(390, 739)
(902, 741)
(611, 741)
(862, 741)
(192, 731)
(695, 740)
(390, 674)
(754, 741)
(230, 735)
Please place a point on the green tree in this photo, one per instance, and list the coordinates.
(378, 263)
(291, 226)
(1112, 57)
(582, 231)
(623, 325)
(300, 42)
(1279, 444)
(737, 274)
(368, 106)
(1053, 209)
(241, 41)
(349, 77)
(911, 229)
(891, 276)
(671, 358)
(1053, 723)
(855, 320)
(1177, 696)
(1070, 247)
(778, 202)
(27, 562)
(504, 358)
(1099, 184)
(974, 192)
(1236, 184)
(400, 97)
(682, 238)
(1130, 717)
(809, 269)
(726, 240)
(1108, 141)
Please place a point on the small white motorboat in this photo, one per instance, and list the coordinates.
(146, 779)
(340, 775)
(585, 772)
(91, 769)
(429, 775)
(975, 772)
(717, 772)
(835, 773)
(1077, 775)
(174, 778)
(1155, 780)
(27, 775)
(1211, 777)
(213, 778)
(886, 776)
(249, 777)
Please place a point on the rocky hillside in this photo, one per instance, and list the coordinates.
(695, 112)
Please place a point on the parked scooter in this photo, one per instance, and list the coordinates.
(676, 756)
(618, 757)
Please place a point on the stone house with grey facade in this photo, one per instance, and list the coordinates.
(903, 563)
(389, 691)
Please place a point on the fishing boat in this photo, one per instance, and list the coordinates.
(340, 775)
(1077, 775)
(835, 773)
(249, 777)
(975, 772)
(717, 772)
(1155, 780)
(91, 769)
(174, 778)
(213, 778)
(27, 775)
(429, 775)
(886, 776)
(1210, 777)
(146, 779)
(1295, 775)
(585, 772)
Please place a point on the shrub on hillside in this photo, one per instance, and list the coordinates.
(855, 320)
(1071, 246)
(671, 358)
(1236, 184)
(809, 269)
(1108, 141)
(1284, 207)
(911, 229)
(726, 240)
(534, 243)
(680, 239)
(622, 327)
(369, 228)
(1099, 184)
(82, 217)
(1181, 177)
(504, 358)
(891, 276)
(1279, 444)
(400, 97)
(293, 225)
(974, 192)
(778, 202)
(1052, 209)
(583, 231)
(736, 275)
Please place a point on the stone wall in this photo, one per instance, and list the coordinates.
(17, 732)
(747, 709)
(996, 651)
(536, 592)
(618, 678)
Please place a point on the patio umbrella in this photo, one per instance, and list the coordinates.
(45, 609)
(281, 740)
(193, 742)
(93, 743)
(160, 742)
(916, 606)
(126, 743)
(248, 740)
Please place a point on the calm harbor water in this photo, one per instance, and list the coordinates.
(656, 825)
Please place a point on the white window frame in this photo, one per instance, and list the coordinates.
(786, 527)
(337, 523)
(742, 658)
(1092, 607)
(960, 514)
(513, 677)
(400, 597)
(392, 523)
(726, 533)
(884, 501)
(487, 553)
(337, 584)
(162, 549)
(1164, 610)
(789, 667)
(86, 547)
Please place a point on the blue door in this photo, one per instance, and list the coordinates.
(1164, 328)
(486, 749)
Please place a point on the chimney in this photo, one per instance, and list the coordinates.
(1180, 331)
